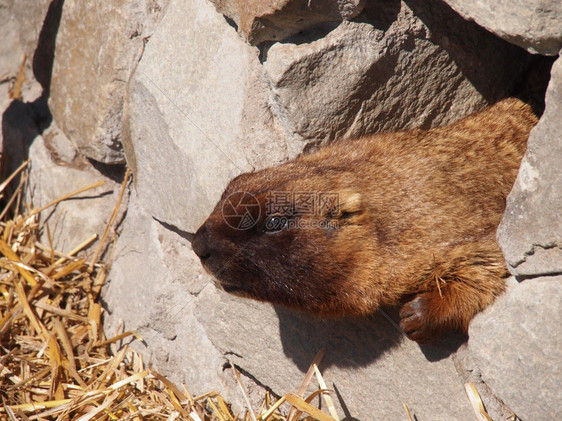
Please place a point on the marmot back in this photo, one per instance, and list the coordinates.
(406, 218)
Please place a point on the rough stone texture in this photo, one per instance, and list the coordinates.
(535, 25)
(266, 341)
(56, 168)
(517, 347)
(370, 77)
(19, 38)
(186, 144)
(275, 20)
(97, 46)
(531, 230)
(70, 222)
(20, 28)
(469, 373)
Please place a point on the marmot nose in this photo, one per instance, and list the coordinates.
(200, 242)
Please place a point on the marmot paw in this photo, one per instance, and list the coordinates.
(417, 320)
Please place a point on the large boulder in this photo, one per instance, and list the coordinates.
(517, 347)
(394, 70)
(25, 23)
(20, 29)
(530, 233)
(198, 114)
(97, 48)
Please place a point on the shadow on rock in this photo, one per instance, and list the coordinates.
(351, 342)
(348, 342)
(23, 122)
(485, 60)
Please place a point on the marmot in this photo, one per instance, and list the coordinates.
(394, 219)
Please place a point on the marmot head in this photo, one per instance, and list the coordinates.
(290, 236)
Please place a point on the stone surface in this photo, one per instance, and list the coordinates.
(531, 230)
(21, 27)
(517, 347)
(374, 369)
(97, 47)
(535, 25)
(197, 116)
(469, 373)
(275, 20)
(74, 221)
(373, 76)
(19, 37)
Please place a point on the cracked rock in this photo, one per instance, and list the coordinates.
(397, 70)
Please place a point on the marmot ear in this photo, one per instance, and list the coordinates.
(350, 202)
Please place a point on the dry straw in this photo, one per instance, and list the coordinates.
(55, 360)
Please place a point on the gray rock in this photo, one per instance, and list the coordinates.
(97, 47)
(517, 346)
(530, 233)
(20, 30)
(535, 25)
(198, 115)
(19, 38)
(56, 170)
(275, 20)
(470, 373)
(70, 222)
(370, 77)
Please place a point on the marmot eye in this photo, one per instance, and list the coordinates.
(274, 224)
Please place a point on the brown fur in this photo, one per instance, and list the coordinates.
(416, 220)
